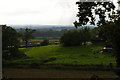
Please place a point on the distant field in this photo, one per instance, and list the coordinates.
(37, 41)
(40, 40)
(51, 39)
(83, 55)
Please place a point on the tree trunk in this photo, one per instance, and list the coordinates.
(117, 52)
(26, 44)
(118, 60)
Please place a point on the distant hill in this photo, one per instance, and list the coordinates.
(48, 30)
(47, 27)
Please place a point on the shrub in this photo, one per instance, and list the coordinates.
(76, 37)
(45, 42)
(71, 38)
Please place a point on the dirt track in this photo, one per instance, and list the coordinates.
(40, 73)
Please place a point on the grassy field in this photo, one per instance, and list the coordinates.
(63, 62)
(83, 55)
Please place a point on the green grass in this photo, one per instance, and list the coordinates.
(82, 55)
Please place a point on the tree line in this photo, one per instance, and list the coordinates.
(78, 37)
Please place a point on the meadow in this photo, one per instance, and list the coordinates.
(82, 55)
(87, 57)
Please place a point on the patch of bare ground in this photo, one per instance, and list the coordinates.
(52, 73)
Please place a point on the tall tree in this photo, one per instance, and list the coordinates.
(10, 42)
(88, 11)
(111, 32)
(109, 28)
(26, 35)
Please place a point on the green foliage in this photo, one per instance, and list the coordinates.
(26, 35)
(76, 37)
(44, 42)
(10, 42)
(9, 37)
(94, 33)
(107, 31)
(111, 32)
(86, 34)
(71, 38)
(85, 13)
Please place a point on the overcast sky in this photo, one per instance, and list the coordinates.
(40, 12)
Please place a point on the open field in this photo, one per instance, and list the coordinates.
(37, 42)
(57, 57)
(84, 55)
(55, 61)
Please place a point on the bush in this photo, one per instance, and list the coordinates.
(45, 42)
(76, 37)
(18, 54)
(71, 38)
